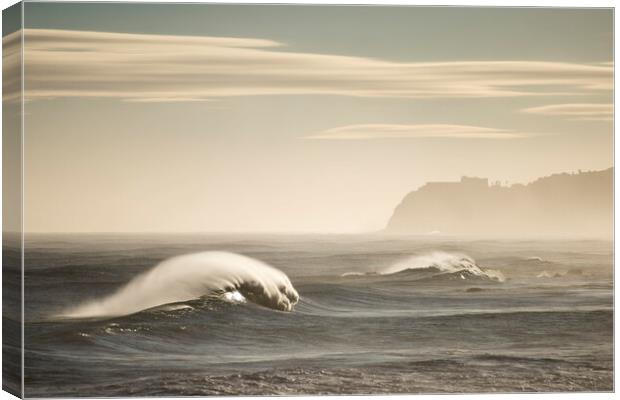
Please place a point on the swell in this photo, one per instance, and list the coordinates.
(194, 276)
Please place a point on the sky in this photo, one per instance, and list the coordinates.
(245, 118)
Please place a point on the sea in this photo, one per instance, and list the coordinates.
(233, 314)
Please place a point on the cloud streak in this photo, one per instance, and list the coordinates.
(63, 63)
(395, 131)
(583, 111)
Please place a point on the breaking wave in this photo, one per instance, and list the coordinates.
(439, 265)
(231, 277)
(458, 265)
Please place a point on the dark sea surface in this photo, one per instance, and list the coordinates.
(410, 315)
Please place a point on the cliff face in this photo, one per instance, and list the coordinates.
(562, 204)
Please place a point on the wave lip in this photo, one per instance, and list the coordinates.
(192, 276)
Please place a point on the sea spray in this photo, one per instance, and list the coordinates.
(192, 276)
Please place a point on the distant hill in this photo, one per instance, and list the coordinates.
(565, 204)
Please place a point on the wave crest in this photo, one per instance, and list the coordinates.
(193, 276)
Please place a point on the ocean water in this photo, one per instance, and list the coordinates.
(368, 314)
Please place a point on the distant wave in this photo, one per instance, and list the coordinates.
(546, 274)
(356, 273)
(439, 265)
(231, 277)
(571, 273)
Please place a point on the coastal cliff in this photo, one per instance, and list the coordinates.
(567, 204)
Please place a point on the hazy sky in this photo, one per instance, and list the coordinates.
(298, 118)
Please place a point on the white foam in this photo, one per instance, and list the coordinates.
(233, 297)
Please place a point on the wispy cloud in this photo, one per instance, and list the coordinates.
(62, 63)
(583, 111)
(394, 131)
